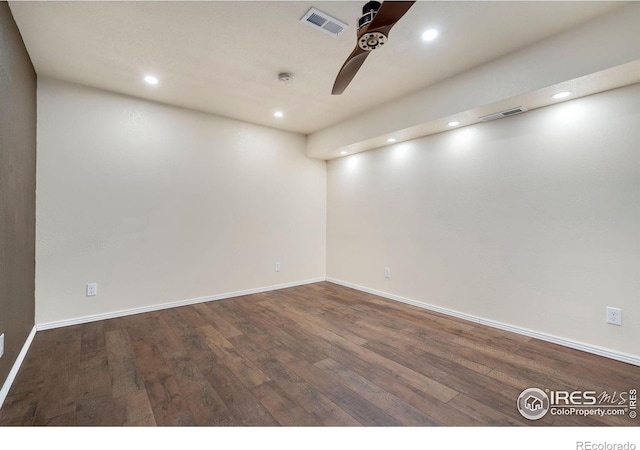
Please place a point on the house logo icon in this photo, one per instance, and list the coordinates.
(533, 403)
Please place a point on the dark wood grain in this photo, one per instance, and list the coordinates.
(314, 355)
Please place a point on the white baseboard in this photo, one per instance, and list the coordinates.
(618, 356)
(16, 366)
(192, 301)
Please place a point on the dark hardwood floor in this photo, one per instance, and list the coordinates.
(315, 355)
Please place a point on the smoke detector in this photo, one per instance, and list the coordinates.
(285, 77)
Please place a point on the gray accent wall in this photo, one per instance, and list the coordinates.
(17, 190)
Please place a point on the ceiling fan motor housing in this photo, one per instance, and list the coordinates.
(370, 41)
(369, 11)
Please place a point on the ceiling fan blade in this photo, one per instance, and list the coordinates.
(388, 14)
(349, 70)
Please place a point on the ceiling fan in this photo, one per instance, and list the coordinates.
(373, 30)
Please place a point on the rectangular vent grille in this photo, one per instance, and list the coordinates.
(512, 111)
(501, 114)
(324, 22)
(316, 19)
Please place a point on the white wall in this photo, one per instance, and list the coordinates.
(159, 204)
(532, 221)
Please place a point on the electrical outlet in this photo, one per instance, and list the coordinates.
(278, 267)
(387, 272)
(92, 289)
(614, 316)
(1, 345)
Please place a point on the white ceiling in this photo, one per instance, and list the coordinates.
(223, 57)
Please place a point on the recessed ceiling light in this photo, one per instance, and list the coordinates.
(150, 79)
(278, 114)
(560, 95)
(430, 35)
(453, 123)
(344, 152)
(391, 140)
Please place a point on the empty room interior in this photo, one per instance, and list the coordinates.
(327, 214)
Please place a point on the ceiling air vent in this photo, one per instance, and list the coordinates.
(323, 22)
(501, 114)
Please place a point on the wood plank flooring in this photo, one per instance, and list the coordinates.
(314, 355)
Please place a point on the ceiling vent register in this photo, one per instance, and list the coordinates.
(324, 22)
(502, 114)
